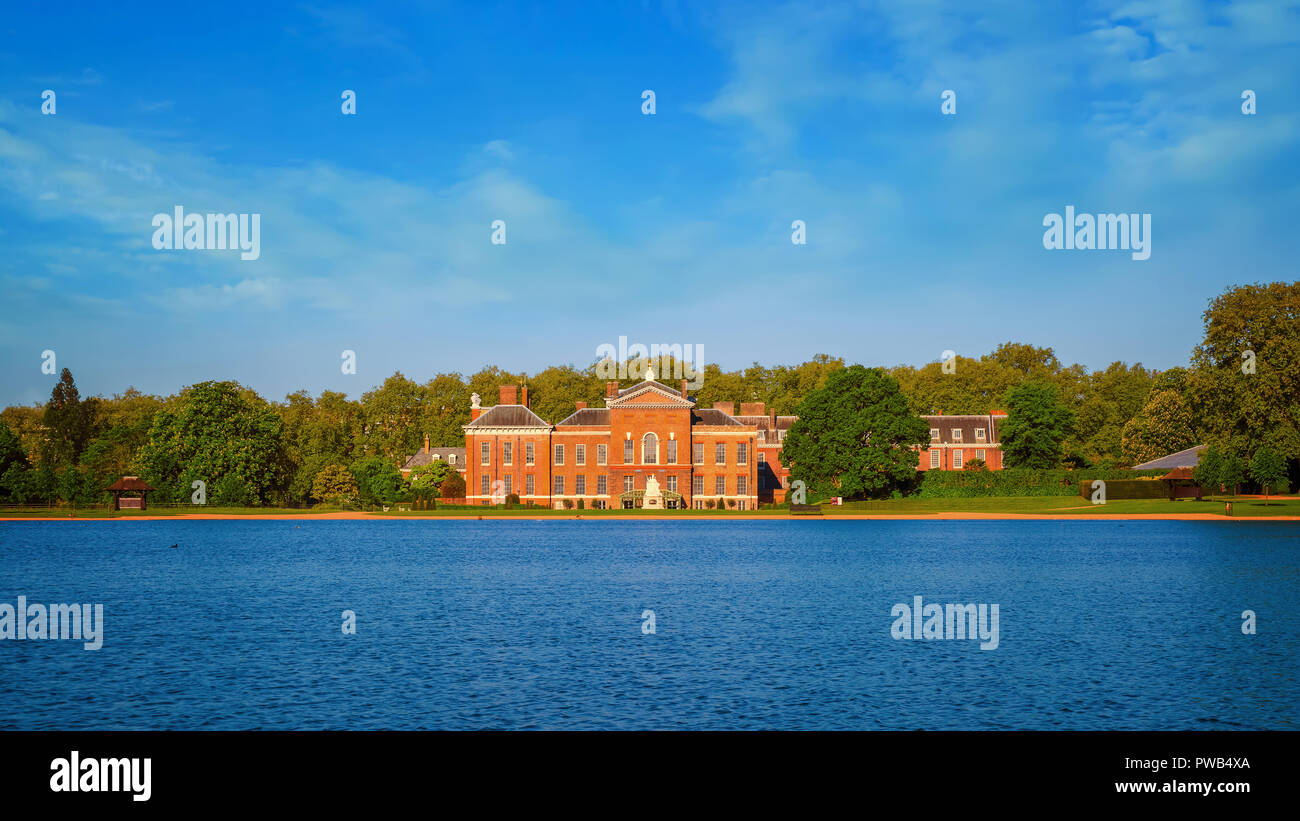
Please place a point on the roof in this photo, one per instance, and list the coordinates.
(1178, 473)
(766, 433)
(129, 483)
(711, 416)
(967, 424)
(508, 416)
(647, 385)
(1189, 458)
(421, 458)
(598, 417)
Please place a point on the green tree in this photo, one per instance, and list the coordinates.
(213, 430)
(335, 484)
(232, 491)
(1036, 425)
(1232, 472)
(378, 482)
(1245, 383)
(69, 423)
(1164, 426)
(1209, 469)
(453, 487)
(856, 435)
(1268, 468)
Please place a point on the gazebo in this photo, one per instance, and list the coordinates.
(1181, 484)
(131, 485)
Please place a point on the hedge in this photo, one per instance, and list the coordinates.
(949, 484)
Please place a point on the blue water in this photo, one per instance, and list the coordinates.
(522, 624)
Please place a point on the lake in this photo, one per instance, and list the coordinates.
(757, 625)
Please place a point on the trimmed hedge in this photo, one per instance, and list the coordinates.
(1130, 489)
(950, 484)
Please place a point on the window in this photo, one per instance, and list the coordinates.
(484, 452)
(720, 486)
(720, 454)
(649, 449)
(627, 451)
(602, 454)
(762, 482)
(697, 485)
(559, 485)
(742, 453)
(451, 458)
(559, 454)
(934, 434)
(979, 434)
(484, 485)
(699, 504)
(436, 457)
(979, 454)
(935, 456)
(602, 485)
(627, 484)
(672, 452)
(741, 505)
(956, 459)
(579, 454)
(672, 483)
(580, 485)
(762, 458)
(530, 485)
(510, 483)
(956, 434)
(742, 485)
(507, 453)
(698, 454)
(530, 456)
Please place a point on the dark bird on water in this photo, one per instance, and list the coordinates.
(175, 546)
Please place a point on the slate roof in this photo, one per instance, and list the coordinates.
(129, 483)
(587, 416)
(766, 433)
(422, 458)
(1189, 458)
(710, 416)
(508, 416)
(967, 424)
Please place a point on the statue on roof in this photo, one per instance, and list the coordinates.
(649, 373)
(474, 399)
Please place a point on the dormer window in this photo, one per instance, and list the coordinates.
(979, 434)
(934, 434)
(956, 434)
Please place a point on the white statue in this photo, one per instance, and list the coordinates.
(473, 401)
(649, 373)
(652, 498)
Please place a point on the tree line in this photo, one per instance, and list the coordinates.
(1239, 392)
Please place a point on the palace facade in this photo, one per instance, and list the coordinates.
(651, 446)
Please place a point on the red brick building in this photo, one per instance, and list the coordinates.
(955, 440)
(650, 446)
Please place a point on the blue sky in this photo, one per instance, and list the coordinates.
(924, 231)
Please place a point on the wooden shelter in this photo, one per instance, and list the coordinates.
(1181, 484)
(131, 485)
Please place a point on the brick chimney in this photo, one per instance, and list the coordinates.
(474, 413)
(752, 408)
(509, 394)
(523, 400)
(726, 407)
(611, 390)
(426, 443)
(684, 396)
(581, 404)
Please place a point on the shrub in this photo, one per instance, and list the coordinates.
(948, 484)
(582, 504)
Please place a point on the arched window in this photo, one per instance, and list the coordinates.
(650, 449)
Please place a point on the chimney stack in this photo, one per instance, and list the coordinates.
(509, 394)
(474, 413)
(728, 408)
(611, 390)
(752, 408)
(524, 400)
(426, 443)
(684, 396)
(581, 404)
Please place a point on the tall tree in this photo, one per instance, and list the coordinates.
(1036, 426)
(1164, 426)
(69, 423)
(1268, 468)
(856, 435)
